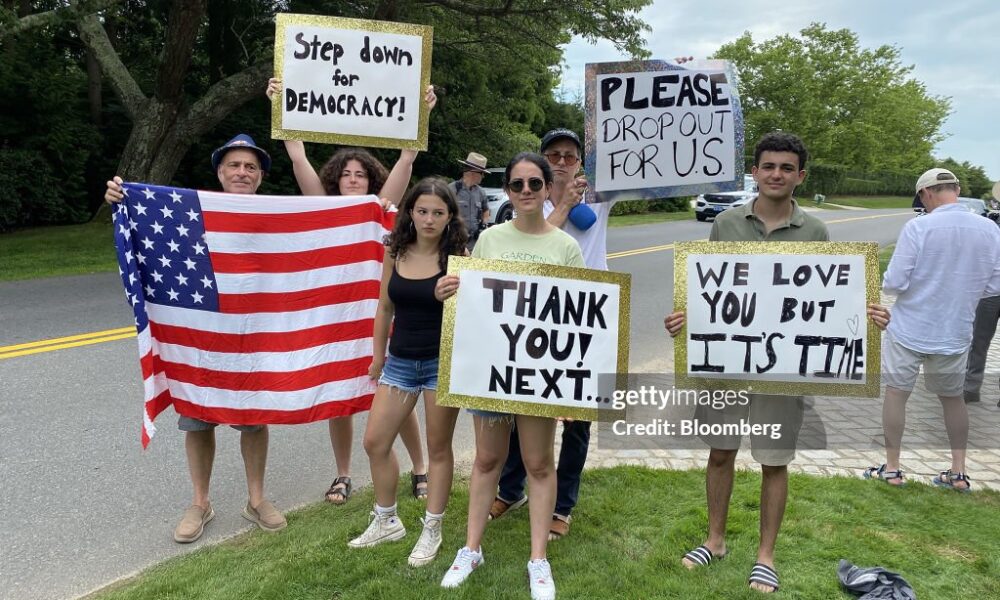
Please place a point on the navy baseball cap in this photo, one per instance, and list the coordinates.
(241, 141)
(558, 134)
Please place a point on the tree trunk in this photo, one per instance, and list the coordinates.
(94, 88)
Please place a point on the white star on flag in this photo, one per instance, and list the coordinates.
(181, 279)
(157, 228)
(140, 209)
(150, 291)
(164, 261)
(175, 196)
(167, 213)
(192, 216)
(140, 257)
(149, 193)
(182, 231)
(132, 225)
(205, 281)
(190, 264)
(196, 297)
(147, 243)
(174, 246)
(198, 248)
(156, 276)
(128, 256)
(173, 295)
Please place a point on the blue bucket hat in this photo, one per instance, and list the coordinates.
(241, 141)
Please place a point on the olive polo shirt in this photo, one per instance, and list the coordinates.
(740, 224)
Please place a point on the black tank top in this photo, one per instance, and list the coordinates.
(416, 331)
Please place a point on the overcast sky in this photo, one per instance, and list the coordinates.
(954, 47)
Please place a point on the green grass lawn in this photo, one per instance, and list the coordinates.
(648, 218)
(872, 201)
(632, 526)
(57, 250)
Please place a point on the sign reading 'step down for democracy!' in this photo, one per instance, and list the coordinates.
(779, 317)
(534, 339)
(657, 129)
(349, 81)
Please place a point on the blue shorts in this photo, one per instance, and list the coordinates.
(410, 376)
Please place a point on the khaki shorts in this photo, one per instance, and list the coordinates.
(779, 416)
(944, 374)
(192, 424)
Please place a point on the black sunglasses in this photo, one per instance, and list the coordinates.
(535, 184)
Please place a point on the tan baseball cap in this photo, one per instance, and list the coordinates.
(935, 177)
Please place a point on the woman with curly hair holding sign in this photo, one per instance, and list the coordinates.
(355, 172)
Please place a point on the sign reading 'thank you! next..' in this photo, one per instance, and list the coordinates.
(350, 81)
(661, 130)
(778, 317)
(533, 339)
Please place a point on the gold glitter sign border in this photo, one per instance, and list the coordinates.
(457, 264)
(425, 32)
(868, 250)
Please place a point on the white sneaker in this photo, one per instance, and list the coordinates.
(428, 544)
(543, 587)
(466, 561)
(382, 529)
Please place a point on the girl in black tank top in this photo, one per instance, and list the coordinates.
(428, 230)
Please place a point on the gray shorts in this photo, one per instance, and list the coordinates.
(779, 419)
(944, 374)
(191, 424)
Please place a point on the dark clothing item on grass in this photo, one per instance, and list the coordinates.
(875, 583)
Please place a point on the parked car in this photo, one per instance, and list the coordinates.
(707, 206)
(501, 209)
(973, 205)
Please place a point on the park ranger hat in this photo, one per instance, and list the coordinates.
(474, 162)
(241, 141)
(935, 177)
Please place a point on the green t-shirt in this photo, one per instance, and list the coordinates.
(741, 225)
(506, 242)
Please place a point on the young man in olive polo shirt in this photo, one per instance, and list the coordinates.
(779, 166)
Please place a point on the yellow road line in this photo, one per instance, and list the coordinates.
(70, 338)
(84, 342)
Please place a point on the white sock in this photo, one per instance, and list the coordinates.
(429, 516)
(385, 511)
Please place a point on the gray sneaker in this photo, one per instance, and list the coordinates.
(428, 544)
(386, 528)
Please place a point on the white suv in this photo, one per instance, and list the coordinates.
(501, 209)
(709, 205)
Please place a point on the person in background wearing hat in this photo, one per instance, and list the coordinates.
(240, 165)
(588, 225)
(944, 263)
(472, 204)
(348, 172)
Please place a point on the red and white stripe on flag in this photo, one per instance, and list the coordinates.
(297, 284)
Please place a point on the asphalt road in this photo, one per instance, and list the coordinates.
(85, 505)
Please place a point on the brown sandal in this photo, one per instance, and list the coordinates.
(559, 527)
(340, 491)
(420, 493)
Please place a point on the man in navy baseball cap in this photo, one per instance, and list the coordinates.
(241, 141)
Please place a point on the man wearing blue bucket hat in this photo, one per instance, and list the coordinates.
(240, 166)
(588, 224)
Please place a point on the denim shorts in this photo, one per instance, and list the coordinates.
(410, 376)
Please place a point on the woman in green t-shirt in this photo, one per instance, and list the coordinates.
(529, 237)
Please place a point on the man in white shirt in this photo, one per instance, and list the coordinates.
(944, 263)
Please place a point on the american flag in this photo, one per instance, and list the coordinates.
(251, 309)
